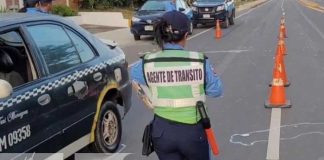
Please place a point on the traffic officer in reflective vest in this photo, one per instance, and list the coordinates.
(177, 80)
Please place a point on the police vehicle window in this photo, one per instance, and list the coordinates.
(153, 6)
(184, 4)
(178, 4)
(16, 66)
(83, 48)
(56, 47)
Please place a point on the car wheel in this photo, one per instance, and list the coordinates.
(137, 37)
(108, 129)
(191, 28)
(194, 25)
(225, 23)
(231, 19)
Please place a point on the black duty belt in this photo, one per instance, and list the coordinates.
(175, 122)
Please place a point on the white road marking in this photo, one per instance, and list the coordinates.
(200, 33)
(273, 150)
(121, 148)
(282, 7)
(274, 135)
(117, 154)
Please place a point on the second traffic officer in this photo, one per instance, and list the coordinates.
(178, 79)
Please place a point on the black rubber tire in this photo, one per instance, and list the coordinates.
(231, 19)
(137, 37)
(99, 145)
(225, 23)
(195, 25)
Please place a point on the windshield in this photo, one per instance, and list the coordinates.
(210, 0)
(154, 6)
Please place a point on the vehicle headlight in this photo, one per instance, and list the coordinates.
(194, 8)
(220, 8)
(135, 19)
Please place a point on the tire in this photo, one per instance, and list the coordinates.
(137, 37)
(194, 25)
(191, 26)
(225, 23)
(231, 19)
(109, 120)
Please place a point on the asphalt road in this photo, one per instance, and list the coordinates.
(244, 59)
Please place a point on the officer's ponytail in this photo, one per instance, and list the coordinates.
(164, 33)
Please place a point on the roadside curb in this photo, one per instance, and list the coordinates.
(250, 5)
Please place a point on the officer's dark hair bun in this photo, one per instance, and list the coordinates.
(165, 33)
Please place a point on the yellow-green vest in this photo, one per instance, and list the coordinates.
(176, 79)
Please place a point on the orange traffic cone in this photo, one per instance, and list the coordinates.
(218, 31)
(277, 97)
(279, 59)
(281, 48)
(281, 36)
(283, 27)
(284, 73)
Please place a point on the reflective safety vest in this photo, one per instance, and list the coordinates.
(176, 79)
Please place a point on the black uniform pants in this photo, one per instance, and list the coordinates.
(176, 141)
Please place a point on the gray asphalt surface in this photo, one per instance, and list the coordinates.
(244, 59)
(321, 2)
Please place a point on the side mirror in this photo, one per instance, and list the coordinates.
(181, 9)
(5, 89)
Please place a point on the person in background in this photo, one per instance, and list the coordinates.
(178, 79)
(170, 6)
(38, 6)
(29, 4)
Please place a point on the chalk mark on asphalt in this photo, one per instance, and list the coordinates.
(294, 130)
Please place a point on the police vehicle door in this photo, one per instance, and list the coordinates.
(25, 115)
(80, 103)
(73, 66)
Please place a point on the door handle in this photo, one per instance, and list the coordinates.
(79, 86)
(44, 99)
(97, 77)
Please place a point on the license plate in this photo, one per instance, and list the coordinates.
(206, 15)
(148, 28)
